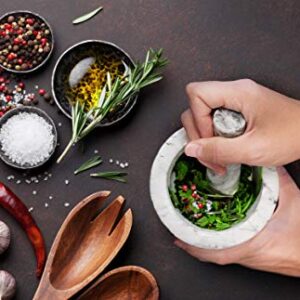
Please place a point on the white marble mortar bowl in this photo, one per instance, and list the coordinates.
(160, 181)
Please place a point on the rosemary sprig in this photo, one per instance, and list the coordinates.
(114, 93)
(114, 175)
(91, 163)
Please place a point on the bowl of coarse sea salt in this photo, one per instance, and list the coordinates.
(28, 137)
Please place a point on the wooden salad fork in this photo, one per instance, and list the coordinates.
(85, 244)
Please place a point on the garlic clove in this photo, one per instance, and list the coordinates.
(4, 237)
(8, 285)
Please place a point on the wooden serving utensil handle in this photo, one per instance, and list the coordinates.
(47, 292)
(229, 124)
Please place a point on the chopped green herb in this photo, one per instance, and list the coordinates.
(205, 207)
(118, 176)
(87, 16)
(91, 163)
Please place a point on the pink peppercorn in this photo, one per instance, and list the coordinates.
(193, 187)
(42, 92)
(184, 188)
(29, 21)
(8, 98)
(200, 205)
(21, 85)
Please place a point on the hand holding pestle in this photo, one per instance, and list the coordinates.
(228, 124)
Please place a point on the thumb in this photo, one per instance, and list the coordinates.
(217, 150)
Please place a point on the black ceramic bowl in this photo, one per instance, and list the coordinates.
(42, 114)
(51, 39)
(67, 62)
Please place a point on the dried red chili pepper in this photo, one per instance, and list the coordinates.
(19, 211)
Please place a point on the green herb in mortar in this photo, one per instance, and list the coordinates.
(193, 195)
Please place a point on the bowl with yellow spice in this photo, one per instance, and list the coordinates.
(80, 74)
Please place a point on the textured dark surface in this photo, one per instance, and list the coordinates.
(204, 40)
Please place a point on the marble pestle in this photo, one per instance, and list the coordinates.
(228, 124)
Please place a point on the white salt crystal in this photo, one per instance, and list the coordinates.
(26, 138)
(34, 192)
(30, 209)
(67, 204)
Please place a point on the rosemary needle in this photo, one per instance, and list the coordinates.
(118, 176)
(87, 16)
(91, 163)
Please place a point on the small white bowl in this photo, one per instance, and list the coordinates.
(160, 181)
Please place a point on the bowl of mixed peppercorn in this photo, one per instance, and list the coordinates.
(26, 41)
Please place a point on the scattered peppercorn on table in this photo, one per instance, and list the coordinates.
(203, 40)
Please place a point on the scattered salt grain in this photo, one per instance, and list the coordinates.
(50, 197)
(67, 181)
(30, 209)
(46, 204)
(59, 124)
(27, 181)
(122, 165)
(117, 162)
(111, 160)
(27, 139)
(67, 204)
(96, 151)
(34, 192)
(18, 181)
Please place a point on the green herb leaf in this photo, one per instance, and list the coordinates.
(87, 16)
(114, 175)
(91, 163)
(181, 170)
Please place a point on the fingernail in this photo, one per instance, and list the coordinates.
(192, 149)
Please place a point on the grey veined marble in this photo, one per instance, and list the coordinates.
(228, 124)
(161, 179)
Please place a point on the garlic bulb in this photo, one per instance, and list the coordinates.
(8, 285)
(4, 237)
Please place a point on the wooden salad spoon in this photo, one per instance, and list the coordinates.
(125, 283)
(86, 243)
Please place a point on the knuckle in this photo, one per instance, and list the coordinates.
(248, 85)
(190, 87)
(222, 259)
(184, 116)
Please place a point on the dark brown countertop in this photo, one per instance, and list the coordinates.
(204, 40)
